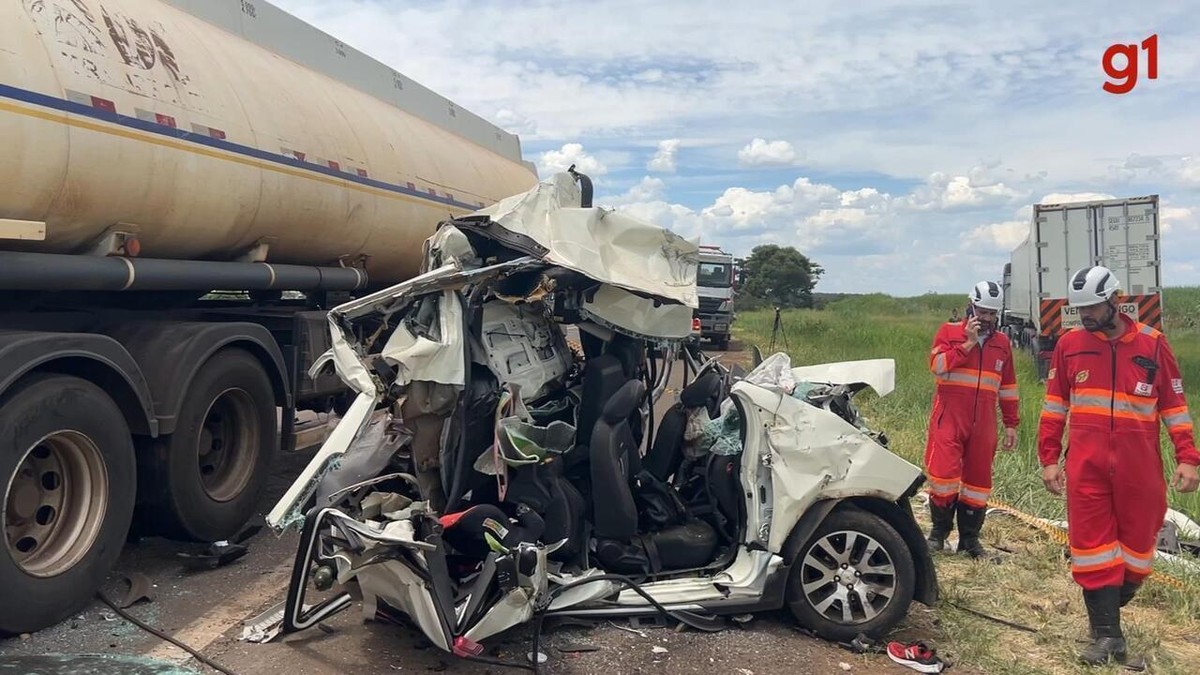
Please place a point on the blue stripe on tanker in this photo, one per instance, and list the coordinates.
(74, 108)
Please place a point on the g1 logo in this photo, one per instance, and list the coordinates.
(1124, 79)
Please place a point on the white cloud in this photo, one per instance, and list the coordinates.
(1003, 236)
(760, 152)
(1190, 171)
(977, 189)
(1179, 219)
(1068, 197)
(664, 160)
(649, 189)
(554, 161)
(863, 236)
(514, 122)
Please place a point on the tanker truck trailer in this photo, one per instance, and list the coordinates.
(185, 187)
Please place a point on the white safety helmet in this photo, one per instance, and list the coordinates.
(987, 295)
(1092, 286)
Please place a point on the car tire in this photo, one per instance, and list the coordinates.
(883, 584)
(205, 480)
(67, 482)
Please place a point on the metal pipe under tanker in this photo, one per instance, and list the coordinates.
(140, 116)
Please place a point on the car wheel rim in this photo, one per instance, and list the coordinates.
(55, 504)
(848, 577)
(228, 445)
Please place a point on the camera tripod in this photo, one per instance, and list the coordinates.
(777, 330)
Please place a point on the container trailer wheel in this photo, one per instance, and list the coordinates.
(67, 478)
(204, 481)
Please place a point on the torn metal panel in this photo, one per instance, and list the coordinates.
(288, 512)
(448, 246)
(813, 454)
(524, 348)
(638, 316)
(607, 246)
(397, 585)
(366, 458)
(430, 355)
(878, 374)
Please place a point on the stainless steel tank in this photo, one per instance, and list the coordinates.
(211, 127)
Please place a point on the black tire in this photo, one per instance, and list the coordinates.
(233, 394)
(889, 611)
(46, 574)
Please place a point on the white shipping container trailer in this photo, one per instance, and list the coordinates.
(156, 151)
(1121, 234)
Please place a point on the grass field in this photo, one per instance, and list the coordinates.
(1034, 585)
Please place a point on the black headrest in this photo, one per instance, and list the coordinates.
(699, 393)
(624, 402)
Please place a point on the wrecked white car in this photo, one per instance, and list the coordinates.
(491, 473)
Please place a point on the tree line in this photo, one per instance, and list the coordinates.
(776, 276)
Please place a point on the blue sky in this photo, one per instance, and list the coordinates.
(898, 144)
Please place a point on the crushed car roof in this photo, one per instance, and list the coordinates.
(606, 245)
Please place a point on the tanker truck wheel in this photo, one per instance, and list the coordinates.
(67, 478)
(206, 478)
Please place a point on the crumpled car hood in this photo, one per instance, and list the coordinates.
(878, 374)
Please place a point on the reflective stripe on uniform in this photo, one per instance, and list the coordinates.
(1142, 410)
(943, 486)
(1054, 407)
(939, 364)
(974, 495)
(1094, 559)
(1009, 392)
(1138, 562)
(1177, 419)
(965, 377)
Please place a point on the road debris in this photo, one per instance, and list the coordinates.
(139, 589)
(220, 553)
(576, 648)
(640, 633)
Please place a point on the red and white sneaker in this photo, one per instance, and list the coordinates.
(916, 656)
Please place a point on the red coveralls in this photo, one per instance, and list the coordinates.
(961, 443)
(1116, 487)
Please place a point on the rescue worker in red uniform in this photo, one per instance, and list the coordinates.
(973, 368)
(1111, 381)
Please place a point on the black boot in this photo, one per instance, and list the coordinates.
(1128, 590)
(943, 522)
(1104, 615)
(970, 524)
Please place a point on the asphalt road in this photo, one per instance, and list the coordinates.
(206, 609)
